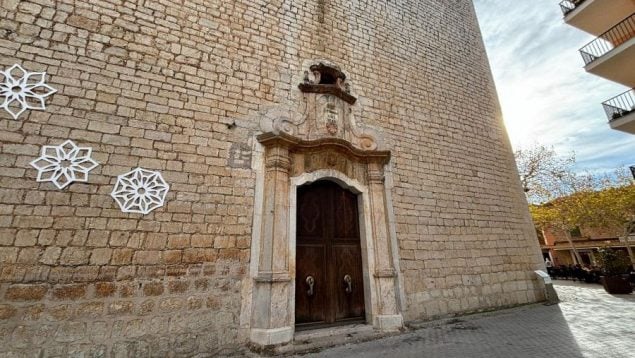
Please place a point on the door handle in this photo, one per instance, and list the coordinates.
(349, 283)
(310, 281)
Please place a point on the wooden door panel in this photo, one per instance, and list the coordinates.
(346, 220)
(310, 214)
(310, 262)
(328, 248)
(348, 262)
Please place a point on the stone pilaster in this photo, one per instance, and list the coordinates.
(388, 317)
(271, 321)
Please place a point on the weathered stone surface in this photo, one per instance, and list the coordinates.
(69, 292)
(153, 289)
(105, 289)
(182, 88)
(25, 292)
(7, 311)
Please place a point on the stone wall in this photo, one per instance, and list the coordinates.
(177, 88)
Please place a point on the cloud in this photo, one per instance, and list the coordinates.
(545, 94)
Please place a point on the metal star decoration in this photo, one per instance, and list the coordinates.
(64, 164)
(140, 191)
(21, 90)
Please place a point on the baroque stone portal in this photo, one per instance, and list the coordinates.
(318, 140)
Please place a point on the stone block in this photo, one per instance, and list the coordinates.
(82, 22)
(29, 255)
(69, 292)
(178, 286)
(7, 311)
(178, 241)
(100, 256)
(105, 289)
(121, 257)
(153, 288)
(74, 256)
(26, 238)
(147, 257)
(51, 255)
(103, 127)
(171, 304)
(171, 257)
(8, 255)
(70, 332)
(120, 307)
(25, 292)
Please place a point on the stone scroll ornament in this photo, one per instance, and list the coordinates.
(140, 191)
(324, 109)
(21, 90)
(64, 164)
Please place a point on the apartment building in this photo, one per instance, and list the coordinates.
(611, 54)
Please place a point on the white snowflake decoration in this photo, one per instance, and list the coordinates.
(21, 90)
(63, 164)
(140, 191)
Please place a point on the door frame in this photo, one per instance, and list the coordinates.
(282, 163)
(365, 230)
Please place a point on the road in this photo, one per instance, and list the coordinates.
(587, 323)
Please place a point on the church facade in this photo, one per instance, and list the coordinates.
(193, 178)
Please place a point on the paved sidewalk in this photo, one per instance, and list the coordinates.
(587, 323)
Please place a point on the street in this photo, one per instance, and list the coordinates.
(587, 323)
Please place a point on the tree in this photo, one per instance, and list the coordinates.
(563, 199)
(611, 207)
(556, 215)
(544, 174)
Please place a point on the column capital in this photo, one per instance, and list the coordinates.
(375, 176)
(277, 159)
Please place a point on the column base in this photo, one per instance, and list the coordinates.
(393, 322)
(271, 336)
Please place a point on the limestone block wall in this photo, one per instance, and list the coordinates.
(144, 84)
(177, 88)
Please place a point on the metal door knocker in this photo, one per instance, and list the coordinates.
(310, 281)
(349, 283)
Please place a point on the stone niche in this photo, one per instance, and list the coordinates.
(317, 139)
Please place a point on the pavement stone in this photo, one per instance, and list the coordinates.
(588, 322)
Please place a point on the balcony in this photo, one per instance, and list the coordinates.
(595, 16)
(569, 5)
(612, 54)
(620, 111)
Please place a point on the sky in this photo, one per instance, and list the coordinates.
(546, 95)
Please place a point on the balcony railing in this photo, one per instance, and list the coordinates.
(609, 40)
(621, 105)
(569, 5)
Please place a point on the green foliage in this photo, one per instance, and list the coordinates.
(613, 262)
(607, 208)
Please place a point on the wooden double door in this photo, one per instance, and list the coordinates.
(329, 282)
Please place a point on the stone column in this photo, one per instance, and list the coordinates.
(388, 316)
(271, 322)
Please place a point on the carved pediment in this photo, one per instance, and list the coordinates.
(323, 109)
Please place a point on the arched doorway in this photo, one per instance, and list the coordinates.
(329, 286)
(286, 164)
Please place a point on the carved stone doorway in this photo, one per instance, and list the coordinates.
(319, 140)
(329, 284)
